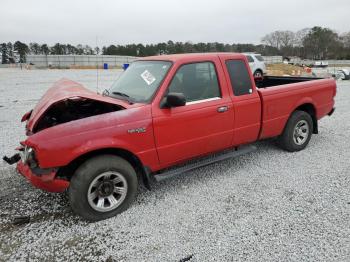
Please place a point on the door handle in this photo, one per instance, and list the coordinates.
(222, 109)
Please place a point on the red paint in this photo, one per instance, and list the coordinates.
(279, 103)
(64, 89)
(46, 182)
(172, 135)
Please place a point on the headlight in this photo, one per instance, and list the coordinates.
(28, 155)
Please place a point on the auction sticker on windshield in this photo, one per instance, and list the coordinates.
(148, 77)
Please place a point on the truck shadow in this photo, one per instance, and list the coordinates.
(205, 175)
(39, 206)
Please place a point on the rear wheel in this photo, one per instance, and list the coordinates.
(297, 132)
(102, 187)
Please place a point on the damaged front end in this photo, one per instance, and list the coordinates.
(65, 102)
(72, 109)
(25, 154)
(27, 166)
(68, 101)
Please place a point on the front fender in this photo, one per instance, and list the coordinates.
(60, 152)
(59, 145)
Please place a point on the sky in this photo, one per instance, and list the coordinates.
(153, 21)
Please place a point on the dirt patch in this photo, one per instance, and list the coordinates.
(286, 69)
(12, 226)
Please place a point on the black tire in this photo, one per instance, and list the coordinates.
(258, 74)
(87, 174)
(287, 140)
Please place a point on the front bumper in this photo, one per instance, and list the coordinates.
(46, 182)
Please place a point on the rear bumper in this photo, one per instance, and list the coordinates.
(46, 182)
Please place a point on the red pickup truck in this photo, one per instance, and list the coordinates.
(165, 115)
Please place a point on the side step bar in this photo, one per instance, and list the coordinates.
(204, 162)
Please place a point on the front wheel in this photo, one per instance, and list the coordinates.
(297, 132)
(102, 187)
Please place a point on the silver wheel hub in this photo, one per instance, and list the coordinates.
(301, 132)
(107, 191)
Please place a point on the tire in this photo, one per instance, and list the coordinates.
(258, 74)
(102, 187)
(297, 133)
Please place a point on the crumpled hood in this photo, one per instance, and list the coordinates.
(66, 89)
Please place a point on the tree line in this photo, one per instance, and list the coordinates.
(11, 53)
(309, 43)
(316, 43)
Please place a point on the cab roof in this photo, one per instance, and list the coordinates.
(192, 56)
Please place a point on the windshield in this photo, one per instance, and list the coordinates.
(260, 58)
(140, 81)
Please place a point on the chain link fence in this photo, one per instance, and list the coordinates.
(273, 59)
(62, 61)
(91, 61)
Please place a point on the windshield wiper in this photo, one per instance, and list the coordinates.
(125, 96)
(120, 94)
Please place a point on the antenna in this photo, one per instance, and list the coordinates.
(96, 66)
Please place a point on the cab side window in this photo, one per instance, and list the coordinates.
(197, 81)
(240, 80)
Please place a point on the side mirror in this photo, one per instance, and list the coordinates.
(174, 100)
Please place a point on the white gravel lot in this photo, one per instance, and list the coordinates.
(269, 205)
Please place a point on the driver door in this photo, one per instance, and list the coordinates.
(204, 124)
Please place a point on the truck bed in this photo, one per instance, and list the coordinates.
(279, 101)
(270, 81)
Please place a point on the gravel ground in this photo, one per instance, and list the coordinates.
(269, 205)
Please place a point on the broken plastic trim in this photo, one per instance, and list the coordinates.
(26, 116)
(21, 220)
(13, 159)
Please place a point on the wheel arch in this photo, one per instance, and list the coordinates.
(68, 171)
(311, 110)
(258, 70)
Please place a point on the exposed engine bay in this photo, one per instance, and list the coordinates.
(73, 109)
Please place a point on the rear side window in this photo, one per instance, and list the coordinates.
(197, 81)
(250, 59)
(240, 79)
(260, 58)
